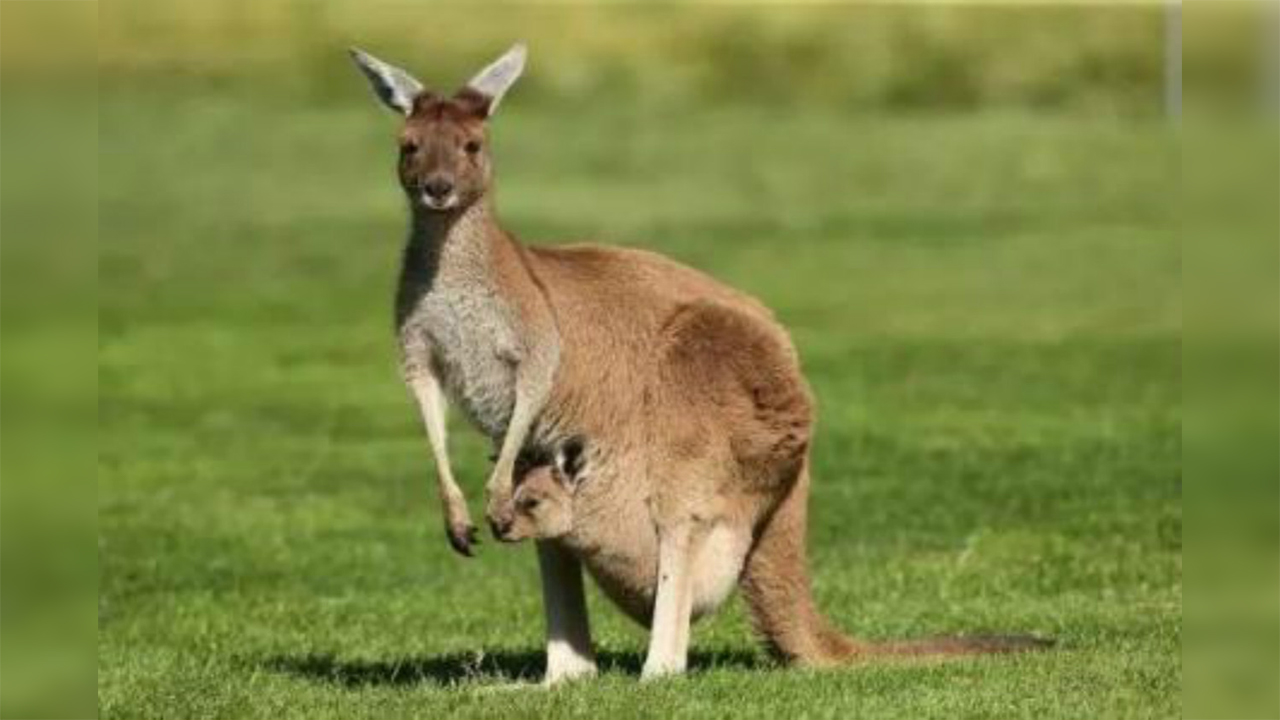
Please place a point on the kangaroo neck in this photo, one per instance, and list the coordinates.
(457, 249)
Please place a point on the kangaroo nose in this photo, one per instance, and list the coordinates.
(438, 187)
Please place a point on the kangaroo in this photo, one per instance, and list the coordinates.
(680, 400)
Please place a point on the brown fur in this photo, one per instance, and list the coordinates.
(697, 417)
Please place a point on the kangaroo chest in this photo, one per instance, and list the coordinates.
(474, 349)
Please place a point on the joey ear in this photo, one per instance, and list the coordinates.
(566, 481)
(495, 80)
(393, 86)
(570, 462)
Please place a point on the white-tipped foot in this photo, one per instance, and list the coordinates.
(567, 667)
(657, 670)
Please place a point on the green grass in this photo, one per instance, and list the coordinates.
(987, 306)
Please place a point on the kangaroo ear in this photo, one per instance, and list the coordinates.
(571, 461)
(567, 481)
(393, 86)
(495, 80)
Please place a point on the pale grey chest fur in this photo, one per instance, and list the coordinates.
(468, 337)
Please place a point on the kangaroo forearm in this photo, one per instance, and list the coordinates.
(522, 417)
(431, 406)
(534, 376)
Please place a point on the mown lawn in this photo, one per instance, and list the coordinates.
(987, 306)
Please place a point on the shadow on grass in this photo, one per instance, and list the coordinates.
(458, 668)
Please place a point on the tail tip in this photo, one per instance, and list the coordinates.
(1006, 643)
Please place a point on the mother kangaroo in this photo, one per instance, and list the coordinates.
(684, 395)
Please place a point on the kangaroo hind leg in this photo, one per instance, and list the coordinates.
(673, 604)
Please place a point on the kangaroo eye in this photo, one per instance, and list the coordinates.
(471, 147)
(408, 147)
(528, 504)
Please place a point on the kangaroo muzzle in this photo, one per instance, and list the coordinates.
(501, 516)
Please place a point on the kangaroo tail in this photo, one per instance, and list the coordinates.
(960, 645)
(775, 582)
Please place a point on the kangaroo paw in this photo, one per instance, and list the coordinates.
(462, 536)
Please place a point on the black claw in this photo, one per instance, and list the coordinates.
(462, 540)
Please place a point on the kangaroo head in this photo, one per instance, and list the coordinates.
(444, 163)
(543, 503)
(545, 483)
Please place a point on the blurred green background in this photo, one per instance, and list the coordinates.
(846, 56)
(966, 214)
